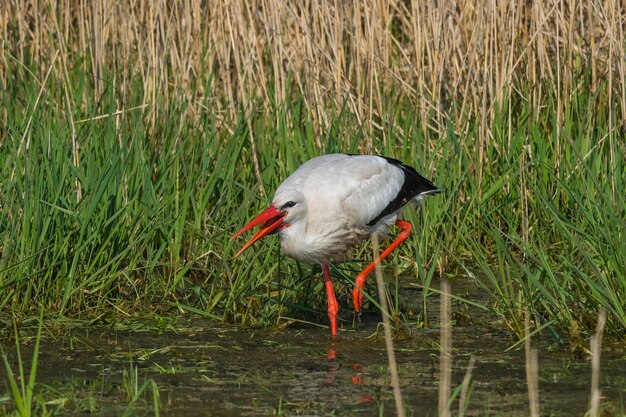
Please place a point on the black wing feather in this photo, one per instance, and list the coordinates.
(414, 185)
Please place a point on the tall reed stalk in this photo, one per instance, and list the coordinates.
(596, 350)
(445, 351)
(391, 355)
(532, 370)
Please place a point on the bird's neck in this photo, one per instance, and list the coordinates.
(294, 241)
(294, 230)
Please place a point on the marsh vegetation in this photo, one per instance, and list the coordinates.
(135, 138)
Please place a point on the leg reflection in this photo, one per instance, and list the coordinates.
(357, 372)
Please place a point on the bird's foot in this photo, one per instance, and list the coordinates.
(333, 309)
(359, 317)
(333, 325)
(357, 293)
(357, 299)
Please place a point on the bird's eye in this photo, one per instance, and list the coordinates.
(287, 205)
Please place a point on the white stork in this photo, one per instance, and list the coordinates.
(333, 202)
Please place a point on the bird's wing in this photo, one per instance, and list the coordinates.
(375, 186)
(348, 189)
(414, 187)
(356, 190)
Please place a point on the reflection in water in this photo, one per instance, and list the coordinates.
(357, 379)
(207, 369)
(332, 353)
(357, 376)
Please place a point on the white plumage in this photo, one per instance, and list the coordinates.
(337, 196)
(333, 202)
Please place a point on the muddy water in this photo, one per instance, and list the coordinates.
(201, 369)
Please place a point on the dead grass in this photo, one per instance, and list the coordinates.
(532, 369)
(391, 355)
(596, 351)
(462, 59)
(445, 351)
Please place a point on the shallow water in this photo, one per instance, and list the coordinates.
(201, 369)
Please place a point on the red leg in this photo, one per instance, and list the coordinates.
(357, 293)
(333, 306)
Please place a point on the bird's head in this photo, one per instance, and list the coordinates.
(287, 208)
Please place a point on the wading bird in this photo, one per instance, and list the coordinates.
(333, 202)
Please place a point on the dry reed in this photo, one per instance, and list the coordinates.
(445, 351)
(462, 59)
(596, 350)
(391, 355)
(532, 369)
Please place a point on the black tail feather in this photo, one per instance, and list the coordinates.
(414, 185)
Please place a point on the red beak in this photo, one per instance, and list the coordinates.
(271, 219)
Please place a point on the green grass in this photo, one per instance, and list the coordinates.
(32, 398)
(535, 226)
(23, 394)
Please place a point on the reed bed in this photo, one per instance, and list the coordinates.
(135, 137)
(454, 61)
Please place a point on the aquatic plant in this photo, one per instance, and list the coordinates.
(23, 394)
